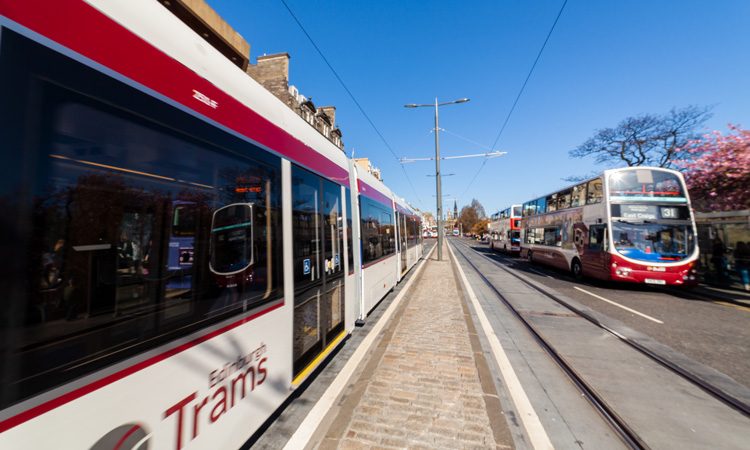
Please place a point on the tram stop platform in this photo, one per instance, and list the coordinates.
(414, 376)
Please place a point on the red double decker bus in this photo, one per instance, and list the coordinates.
(633, 224)
(505, 230)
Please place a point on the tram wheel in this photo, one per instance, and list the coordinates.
(529, 256)
(576, 268)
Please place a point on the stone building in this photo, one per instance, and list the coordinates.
(271, 71)
(366, 165)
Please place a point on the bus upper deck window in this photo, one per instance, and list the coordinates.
(594, 192)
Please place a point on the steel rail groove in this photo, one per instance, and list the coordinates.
(620, 427)
(735, 403)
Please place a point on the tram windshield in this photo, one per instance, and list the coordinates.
(646, 183)
(232, 239)
(652, 241)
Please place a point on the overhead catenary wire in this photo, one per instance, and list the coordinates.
(351, 95)
(463, 138)
(520, 92)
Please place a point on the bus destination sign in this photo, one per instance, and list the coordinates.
(638, 212)
(649, 212)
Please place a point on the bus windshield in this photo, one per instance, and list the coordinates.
(517, 211)
(647, 183)
(231, 238)
(653, 242)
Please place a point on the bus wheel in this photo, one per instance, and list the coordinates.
(577, 269)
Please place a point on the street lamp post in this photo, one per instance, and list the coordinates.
(438, 184)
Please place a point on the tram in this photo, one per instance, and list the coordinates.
(633, 224)
(180, 249)
(505, 230)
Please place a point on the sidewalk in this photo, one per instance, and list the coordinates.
(427, 384)
(724, 293)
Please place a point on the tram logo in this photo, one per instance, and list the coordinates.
(203, 98)
(131, 436)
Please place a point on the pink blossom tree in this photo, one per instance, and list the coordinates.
(717, 170)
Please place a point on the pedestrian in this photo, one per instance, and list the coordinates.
(742, 263)
(719, 259)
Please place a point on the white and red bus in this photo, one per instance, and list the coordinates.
(129, 141)
(633, 224)
(505, 230)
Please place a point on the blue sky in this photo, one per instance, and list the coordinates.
(606, 60)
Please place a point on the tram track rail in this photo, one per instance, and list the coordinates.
(628, 436)
(720, 394)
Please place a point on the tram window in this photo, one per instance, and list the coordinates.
(116, 197)
(387, 233)
(349, 231)
(334, 230)
(306, 222)
(378, 239)
(232, 238)
(594, 192)
(371, 246)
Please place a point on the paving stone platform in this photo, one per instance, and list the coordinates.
(427, 384)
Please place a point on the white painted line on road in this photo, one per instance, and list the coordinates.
(534, 428)
(539, 273)
(307, 428)
(646, 316)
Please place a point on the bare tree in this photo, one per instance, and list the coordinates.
(471, 214)
(649, 139)
(481, 214)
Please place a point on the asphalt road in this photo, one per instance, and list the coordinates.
(713, 333)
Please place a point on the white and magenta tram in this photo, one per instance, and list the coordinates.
(180, 249)
(633, 224)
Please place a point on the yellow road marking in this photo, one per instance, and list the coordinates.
(742, 308)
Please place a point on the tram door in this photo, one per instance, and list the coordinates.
(402, 239)
(318, 265)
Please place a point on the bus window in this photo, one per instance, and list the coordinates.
(563, 199)
(552, 203)
(579, 195)
(552, 236)
(594, 192)
(597, 238)
(645, 183)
